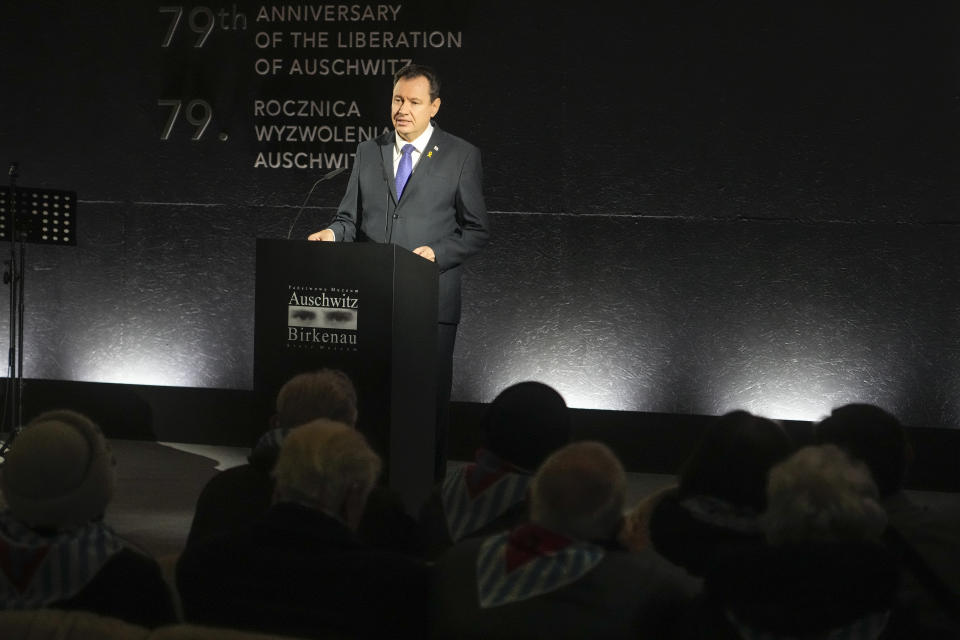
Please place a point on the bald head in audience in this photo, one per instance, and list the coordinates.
(579, 491)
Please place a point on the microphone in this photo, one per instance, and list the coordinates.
(324, 178)
(388, 219)
(387, 227)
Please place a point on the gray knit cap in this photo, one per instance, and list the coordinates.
(59, 472)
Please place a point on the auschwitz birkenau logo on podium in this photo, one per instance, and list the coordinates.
(322, 318)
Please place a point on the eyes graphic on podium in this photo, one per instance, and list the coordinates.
(322, 317)
(339, 316)
(303, 314)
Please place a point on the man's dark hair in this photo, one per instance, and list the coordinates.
(870, 434)
(525, 423)
(413, 70)
(732, 459)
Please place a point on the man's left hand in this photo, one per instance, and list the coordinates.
(426, 252)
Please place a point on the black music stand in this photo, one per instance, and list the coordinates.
(27, 215)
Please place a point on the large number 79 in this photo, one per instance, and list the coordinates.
(202, 27)
(200, 121)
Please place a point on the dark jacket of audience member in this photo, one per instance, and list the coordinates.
(560, 575)
(299, 568)
(823, 572)
(523, 425)
(721, 492)
(925, 541)
(237, 496)
(55, 550)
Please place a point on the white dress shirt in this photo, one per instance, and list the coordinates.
(419, 144)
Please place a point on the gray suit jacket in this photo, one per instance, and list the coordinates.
(442, 207)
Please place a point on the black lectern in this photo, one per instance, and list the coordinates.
(369, 310)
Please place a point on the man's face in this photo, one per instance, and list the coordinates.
(412, 108)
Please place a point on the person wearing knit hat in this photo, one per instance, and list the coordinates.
(55, 549)
(60, 474)
(524, 424)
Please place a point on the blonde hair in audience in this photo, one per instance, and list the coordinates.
(820, 494)
(321, 462)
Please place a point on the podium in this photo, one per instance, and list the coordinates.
(369, 310)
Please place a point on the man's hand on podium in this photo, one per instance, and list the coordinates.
(426, 252)
(324, 235)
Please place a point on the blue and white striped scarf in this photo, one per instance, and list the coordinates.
(37, 569)
(530, 561)
(477, 493)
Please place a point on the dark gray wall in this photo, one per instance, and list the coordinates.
(697, 206)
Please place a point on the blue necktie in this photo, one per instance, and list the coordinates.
(405, 168)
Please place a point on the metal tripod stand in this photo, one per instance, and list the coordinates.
(39, 216)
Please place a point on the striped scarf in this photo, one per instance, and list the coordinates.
(530, 561)
(37, 569)
(479, 492)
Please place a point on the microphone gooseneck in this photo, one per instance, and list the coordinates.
(323, 178)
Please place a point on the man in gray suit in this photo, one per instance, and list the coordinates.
(422, 189)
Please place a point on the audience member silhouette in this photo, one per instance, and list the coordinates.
(522, 426)
(823, 573)
(236, 496)
(926, 541)
(299, 568)
(561, 574)
(55, 550)
(720, 496)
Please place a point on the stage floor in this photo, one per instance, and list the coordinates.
(158, 484)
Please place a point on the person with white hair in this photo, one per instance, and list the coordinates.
(925, 538)
(824, 571)
(300, 569)
(561, 574)
(236, 496)
(55, 549)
